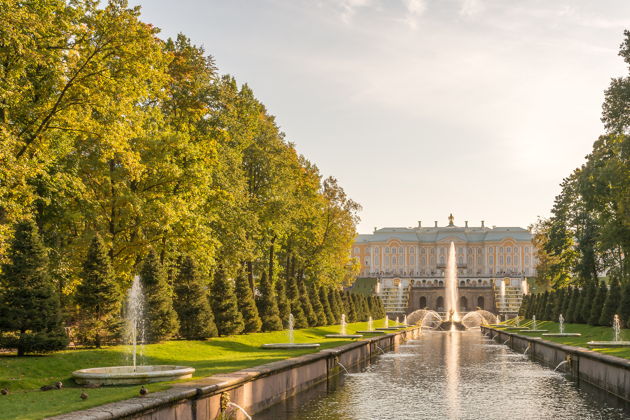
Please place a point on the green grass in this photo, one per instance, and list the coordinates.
(23, 376)
(589, 333)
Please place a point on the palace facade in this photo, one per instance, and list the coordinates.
(408, 263)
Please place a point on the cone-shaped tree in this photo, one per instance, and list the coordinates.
(247, 304)
(590, 289)
(359, 315)
(540, 312)
(98, 296)
(557, 304)
(267, 305)
(611, 304)
(522, 310)
(364, 307)
(598, 304)
(224, 304)
(160, 317)
(196, 321)
(318, 307)
(323, 297)
(530, 306)
(351, 313)
(567, 301)
(284, 306)
(573, 305)
(624, 305)
(549, 304)
(334, 305)
(309, 312)
(29, 303)
(297, 306)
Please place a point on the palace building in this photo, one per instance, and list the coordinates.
(406, 265)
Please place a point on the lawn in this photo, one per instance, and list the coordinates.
(23, 376)
(589, 333)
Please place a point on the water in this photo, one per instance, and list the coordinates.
(386, 323)
(561, 322)
(290, 331)
(370, 323)
(450, 289)
(534, 322)
(343, 324)
(405, 320)
(448, 375)
(616, 328)
(397, 321)
(502, 295)
(134, 320)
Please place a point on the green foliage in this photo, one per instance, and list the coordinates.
(267, 305)
(561, 296)
(586, 302)
(196, 321)
(611, 304)
(318, 307)
(598, 304)
(30, 320)
(98, 296)
(309, 311)
(574, 306)
(323, 297)
(224, 304)
(549, 305)
(160, 318)
(297, 305)
(624, 305)
(247, 304)
(284, 305)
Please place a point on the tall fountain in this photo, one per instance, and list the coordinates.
(617, 341)
(342, 330)
(137, 373)
(291, 345)
(561, 332)
(451, 285)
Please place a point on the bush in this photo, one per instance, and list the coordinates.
(196, 321)
(247, 304)
(267, 305)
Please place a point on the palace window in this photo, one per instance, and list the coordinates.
(424, 260)
(442, 250)
(412, 250)
(508, 260)
(356, 250)
(500, 259)
(460, 250)
(376, 260)
(516, 260)
(432, 260)
(423, 251)
(501, 250)
(479, 260)
(460, 260)
(387, 250)
(367, 261)
(400, 250)
(441, 259)
(412, 260)
(526, 259)
(393, 250)
(393, 260)
(491, 260)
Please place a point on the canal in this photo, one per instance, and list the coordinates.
(449, 375)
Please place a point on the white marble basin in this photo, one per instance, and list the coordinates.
(127, 375)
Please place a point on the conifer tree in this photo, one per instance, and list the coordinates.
(351, 314)
(267, 305)
(365, 308)
(586, 301)
(573, 306)
(323, 297)
(558, 303)
(611, 304)
(98, 296)
(224, 304)
(358, 308)
(284, 306)
(318, 307)
(522, 310)
(598, 304)
(247, 304)
(29, 302)
(160, 317)
(530, 306)
(540, 312)
(297, 305)
(196, 321)
(309, 311)
(624, 305)
(567, 302)
(334, 305)
(549, 304)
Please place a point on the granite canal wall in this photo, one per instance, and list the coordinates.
(253, 389)
(608, 373)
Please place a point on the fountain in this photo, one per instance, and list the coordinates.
(534, 328)
(617, 342)
(134, 374)
(385, 324)
(561, 332)
(516, 325)
(343, 333)
(370, 328)
(453, 322)
(291, 344)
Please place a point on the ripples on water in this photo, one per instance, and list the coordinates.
(449, 375)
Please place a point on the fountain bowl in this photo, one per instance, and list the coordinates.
(562, 335)
(533, 331)
(293, 346)
(343, 336)
(513, 328)
(372, 332)
(126, 375)
(608, 344)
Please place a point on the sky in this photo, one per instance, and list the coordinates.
(421, 108)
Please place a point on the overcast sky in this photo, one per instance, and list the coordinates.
(423, 107)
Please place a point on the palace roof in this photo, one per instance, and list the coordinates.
(444, 233)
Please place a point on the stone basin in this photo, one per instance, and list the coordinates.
(562, 335)
(534, 331)
(126, 375)
(343, 336)
(294, 346)
(608, 344)
(372, 332)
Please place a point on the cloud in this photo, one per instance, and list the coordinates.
(350, 7)
(470, 8)
(415, 9)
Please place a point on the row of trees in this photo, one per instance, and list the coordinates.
(589, 230)
(183, 307)
(595, 304)
(107, 130)
(583, 247)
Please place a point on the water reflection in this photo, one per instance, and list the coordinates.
(448, 375)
